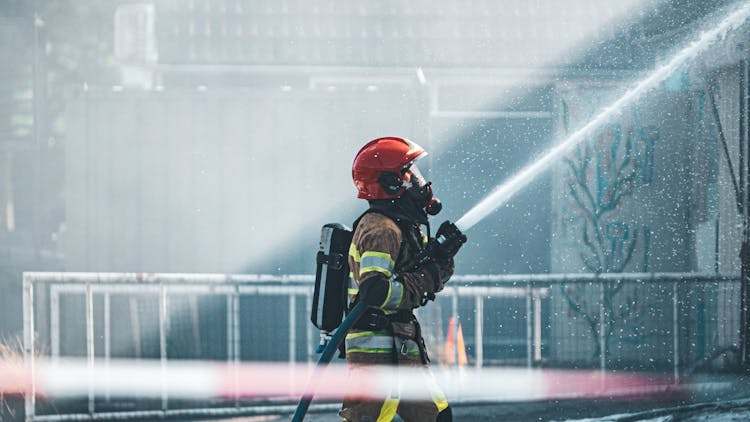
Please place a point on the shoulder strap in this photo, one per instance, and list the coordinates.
(356, 222)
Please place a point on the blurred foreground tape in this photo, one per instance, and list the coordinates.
(14, 377)
(201, 379)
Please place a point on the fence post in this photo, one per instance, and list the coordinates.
(292, 328)
(479, 330)
(107, 340)
(602, 330)
(230, 329)
(235, 318)
(675, 337)
(54, 322)
(135, 324)
(230, 342)
(537, 325)
(90, 345)
(529, 325)
(28, 345)
(308, 324)
(163, 320)
(454, 304)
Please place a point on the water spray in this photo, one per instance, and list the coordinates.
(506, 190)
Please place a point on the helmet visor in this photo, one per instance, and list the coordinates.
(414, 175)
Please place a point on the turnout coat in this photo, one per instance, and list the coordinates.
(390, 334)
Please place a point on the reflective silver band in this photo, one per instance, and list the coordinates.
(379, 343)
(353, 286)
(396, 295)
(369, 261)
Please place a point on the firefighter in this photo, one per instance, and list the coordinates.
(396, 267)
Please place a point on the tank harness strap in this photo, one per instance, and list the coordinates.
(420, 343)
(377, 320)
(394, 350)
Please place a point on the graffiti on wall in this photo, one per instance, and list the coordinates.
(598, 219)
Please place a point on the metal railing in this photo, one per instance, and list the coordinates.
(514, 311)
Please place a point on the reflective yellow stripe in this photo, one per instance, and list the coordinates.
(374, 342)
(384, 255)
(381, 352)
(376, 261)
(441, 403)
(364, 270)
(388, 296)
(380, 255)
(438, 397)
(353, 286)
(388, 410)
(365, 350)
(354, 253)
(395, 295)
(380, 342)
(365, 334)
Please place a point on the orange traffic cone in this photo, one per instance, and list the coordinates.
(461, 347)
(449, 351)
(449, 348)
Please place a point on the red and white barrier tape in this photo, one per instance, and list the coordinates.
(200, 379)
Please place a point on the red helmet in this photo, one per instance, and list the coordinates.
(379, 167)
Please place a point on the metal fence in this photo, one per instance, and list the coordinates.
(674, 322)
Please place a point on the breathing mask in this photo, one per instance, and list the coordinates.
(419, 190)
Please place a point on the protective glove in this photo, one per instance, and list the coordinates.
(432, 271)
(448, 240)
